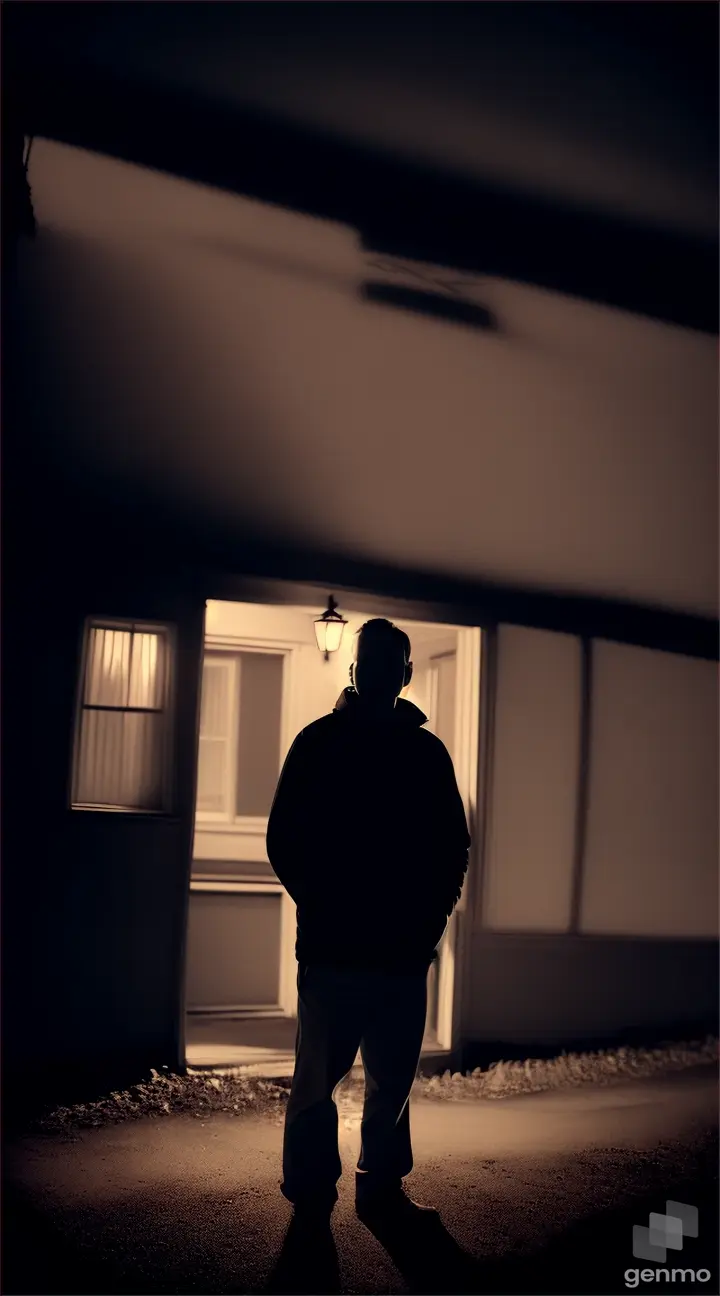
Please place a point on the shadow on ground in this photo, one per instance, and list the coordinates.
(576, 1261)
(37, 1260)
(308, 1262)
(588, 1257)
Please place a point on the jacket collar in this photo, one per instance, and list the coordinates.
(404, 712)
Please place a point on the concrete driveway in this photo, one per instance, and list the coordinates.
(537, 1193)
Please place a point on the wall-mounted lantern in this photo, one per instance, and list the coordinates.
(329, 629)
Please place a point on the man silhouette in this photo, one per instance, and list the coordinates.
(368, 834)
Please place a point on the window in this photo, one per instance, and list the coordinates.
(122, 745)
(240, 733)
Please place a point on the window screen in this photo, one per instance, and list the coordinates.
(122, 747)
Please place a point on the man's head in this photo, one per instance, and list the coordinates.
(381, 667)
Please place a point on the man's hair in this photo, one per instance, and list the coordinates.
(383, 633)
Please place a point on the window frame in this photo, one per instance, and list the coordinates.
(209, 821)
(223, 816)
(134, 626)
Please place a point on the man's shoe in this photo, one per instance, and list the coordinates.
(311, 1207)
(312, 1214)
(389, 1206)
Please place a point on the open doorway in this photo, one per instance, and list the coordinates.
(264, 679)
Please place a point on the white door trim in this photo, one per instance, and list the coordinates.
(252, 830)
(455, 949)
(287, 985)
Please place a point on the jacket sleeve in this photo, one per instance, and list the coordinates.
(451, 836)
(287, 831)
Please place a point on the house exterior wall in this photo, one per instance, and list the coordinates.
(95, 904)
(596, 917)
(651, 865)
(535, 989)
(96, 916)
(529, 862)
(95, 907)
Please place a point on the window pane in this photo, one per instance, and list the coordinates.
(212, 774)
(107, 677)
(125, 668)
(215, 703)
(258, 765)
(121, 760)
(148, 669)
(214, 751)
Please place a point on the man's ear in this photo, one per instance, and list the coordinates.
(408, 674)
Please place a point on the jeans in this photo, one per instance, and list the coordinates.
(341, 1010)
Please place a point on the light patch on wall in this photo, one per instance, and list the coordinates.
(535, 766)
(652, 842)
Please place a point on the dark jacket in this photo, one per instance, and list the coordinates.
(368, 834)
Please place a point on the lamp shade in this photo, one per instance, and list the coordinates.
(329, 629)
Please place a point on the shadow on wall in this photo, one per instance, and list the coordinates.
(131, 382)
(568, 992)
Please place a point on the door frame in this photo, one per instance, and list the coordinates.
(454, 951)
(253, 827)
(471, 660)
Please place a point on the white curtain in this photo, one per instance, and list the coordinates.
(123, 728)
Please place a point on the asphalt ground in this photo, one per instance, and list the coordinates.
(536, 1193)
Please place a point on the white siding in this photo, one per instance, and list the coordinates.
(529, 864)
(652, 849)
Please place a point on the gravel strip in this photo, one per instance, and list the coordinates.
(537, 1075)
(229, 1090)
